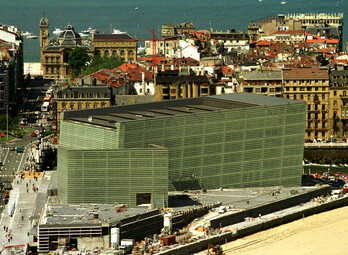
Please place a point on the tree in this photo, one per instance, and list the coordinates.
(77, 60)
(99, 63)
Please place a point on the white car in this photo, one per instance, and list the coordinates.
(337, 193)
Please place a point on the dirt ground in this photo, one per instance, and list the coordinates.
(321, 234)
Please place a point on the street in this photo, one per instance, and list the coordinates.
(13, 161)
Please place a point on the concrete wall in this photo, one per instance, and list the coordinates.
(315, 154)
(227, 237)
(254, 212)
(91, 242)
(188, 216)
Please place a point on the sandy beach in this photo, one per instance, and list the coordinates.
(320, 234)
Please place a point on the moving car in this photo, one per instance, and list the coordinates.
(33, 134)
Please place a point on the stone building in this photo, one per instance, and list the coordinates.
(55, 51)
(70, 98)
(175, 30)
(322, 24)
(183, 83)
(265, 82)
(310, 84)
(338, 113)
(122, 45)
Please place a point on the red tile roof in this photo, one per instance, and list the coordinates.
(288, 32)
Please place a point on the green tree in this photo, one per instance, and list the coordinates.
(99, 62)
(77, 60)
(13, 123)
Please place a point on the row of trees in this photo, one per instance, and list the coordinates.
(81, 63)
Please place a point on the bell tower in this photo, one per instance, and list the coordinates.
(44, 33)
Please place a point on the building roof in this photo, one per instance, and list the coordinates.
(109, 116)
(299, 73)
(69, 33)
(263, 75)
(44, 21)
(87, 214)
(113, 37)
(285, 32)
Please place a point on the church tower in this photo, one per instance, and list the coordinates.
(44, 35)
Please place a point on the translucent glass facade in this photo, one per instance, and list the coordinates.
(240, 145)
(253, 147)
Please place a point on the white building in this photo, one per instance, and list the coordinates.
(187, 49)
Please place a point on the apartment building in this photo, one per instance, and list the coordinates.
(310, 84)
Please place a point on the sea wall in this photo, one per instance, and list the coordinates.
(233, 218)
(227, 237)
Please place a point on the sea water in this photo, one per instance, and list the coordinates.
(138, 17)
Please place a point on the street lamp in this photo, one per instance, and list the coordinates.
(7, 123)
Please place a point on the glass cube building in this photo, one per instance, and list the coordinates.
(134, 154)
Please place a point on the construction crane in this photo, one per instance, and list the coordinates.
(153, 49)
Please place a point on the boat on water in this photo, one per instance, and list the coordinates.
(90, 31)
(260, 1)
(283, 2)
(32, 36)
(118, 32)
(84, 34)
(58, 31)
(26, 33)
(136, 8)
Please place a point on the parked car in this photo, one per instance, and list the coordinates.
(33, 134)
(308, 141)
(12, 148)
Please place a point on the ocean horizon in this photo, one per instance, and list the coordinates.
(139, 17)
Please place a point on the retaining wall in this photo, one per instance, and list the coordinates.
(188, 216)
(227, 237)
(233, 218)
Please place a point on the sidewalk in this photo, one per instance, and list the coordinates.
(16, 220)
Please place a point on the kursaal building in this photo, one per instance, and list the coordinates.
(134, 154)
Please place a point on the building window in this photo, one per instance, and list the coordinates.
(95, 106)
(71, 107)
(323, 107)
(130, 53)
(335, 103)
(114, 53)
(123, 53)
(107, 53)
(335, 93)
(87, 106)
(79, 107)
(309, 107)
(344, 93)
